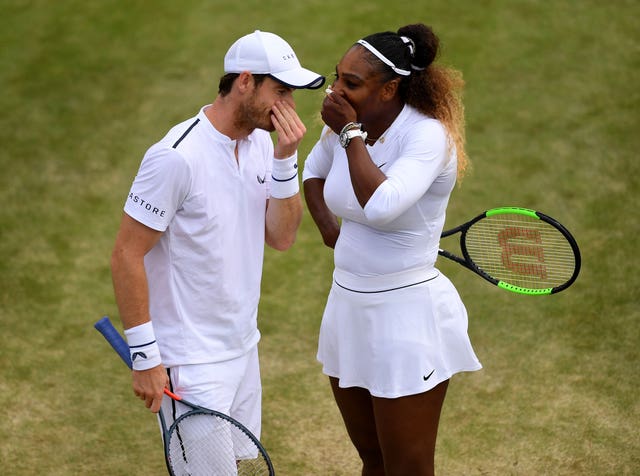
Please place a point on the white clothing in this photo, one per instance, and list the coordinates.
(231, 387)
(388, 318)
(204, 274)
(395, 343)
(400, 226)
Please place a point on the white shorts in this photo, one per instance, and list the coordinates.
(231, 387)
(394, 341)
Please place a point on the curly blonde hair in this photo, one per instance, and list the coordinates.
(441, 98)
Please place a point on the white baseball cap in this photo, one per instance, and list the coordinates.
(261, 52)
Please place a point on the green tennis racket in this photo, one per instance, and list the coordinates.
(517, 249)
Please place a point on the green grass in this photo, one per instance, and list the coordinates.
(553, 107)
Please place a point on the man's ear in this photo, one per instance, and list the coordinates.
(245, 82)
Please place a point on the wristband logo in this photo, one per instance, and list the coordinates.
(138, 354)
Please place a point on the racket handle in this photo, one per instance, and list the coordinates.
(113, 337)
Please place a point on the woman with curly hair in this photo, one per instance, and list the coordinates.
(377, 184)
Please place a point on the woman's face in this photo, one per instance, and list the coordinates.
(359, 84)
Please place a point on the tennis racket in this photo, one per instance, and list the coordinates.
(201, 441)
(519, 250)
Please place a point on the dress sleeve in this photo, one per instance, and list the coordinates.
(424, 154)
(318, 162)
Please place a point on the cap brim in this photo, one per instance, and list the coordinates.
(300, 78)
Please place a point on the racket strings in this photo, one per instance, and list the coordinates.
(521, 250)
(203, 443)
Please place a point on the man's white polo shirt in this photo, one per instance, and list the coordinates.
(204, 273)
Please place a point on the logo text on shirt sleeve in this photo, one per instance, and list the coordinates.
(146, 205)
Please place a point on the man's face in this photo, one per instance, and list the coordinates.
(255, 112)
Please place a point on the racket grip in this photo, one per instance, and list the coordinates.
(113, 337)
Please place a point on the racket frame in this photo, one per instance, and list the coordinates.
(468, 262)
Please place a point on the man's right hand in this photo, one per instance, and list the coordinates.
(149, 385)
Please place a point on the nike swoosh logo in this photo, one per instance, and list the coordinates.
(260, 179)
(428, 376)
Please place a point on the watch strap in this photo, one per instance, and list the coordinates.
(349, 131)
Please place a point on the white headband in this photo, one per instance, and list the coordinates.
(383, 58)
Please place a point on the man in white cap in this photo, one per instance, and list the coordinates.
(187, 262)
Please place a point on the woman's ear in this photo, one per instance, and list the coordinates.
(390, 89)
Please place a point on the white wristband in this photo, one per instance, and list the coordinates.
(143, 347)
(284, 177)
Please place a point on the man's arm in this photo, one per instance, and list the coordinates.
(285, 214)
(133, 242)
(283, 219)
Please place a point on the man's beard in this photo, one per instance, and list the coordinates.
(250, 116)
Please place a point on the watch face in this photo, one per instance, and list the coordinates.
(344, 139)
(349, 133)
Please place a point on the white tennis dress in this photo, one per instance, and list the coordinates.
(393, 324)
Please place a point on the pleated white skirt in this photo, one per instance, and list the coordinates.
(392, 337)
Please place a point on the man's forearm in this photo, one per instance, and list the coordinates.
(130, 288)
(282, 221)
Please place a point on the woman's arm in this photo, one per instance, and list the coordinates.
(326, 221)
